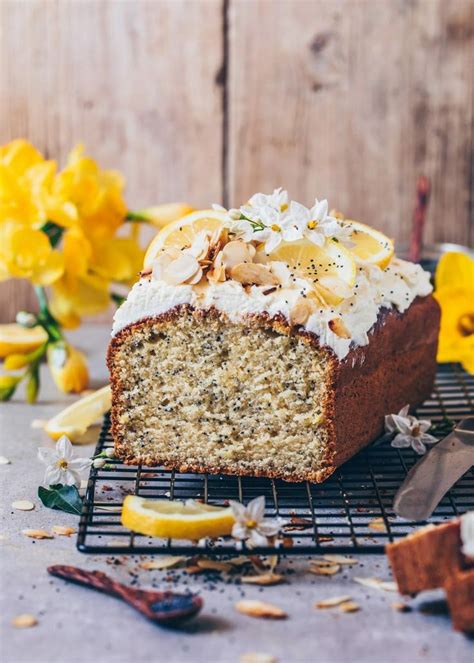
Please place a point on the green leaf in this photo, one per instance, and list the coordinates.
(61, 498)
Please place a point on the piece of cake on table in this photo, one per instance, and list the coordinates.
(268, 341)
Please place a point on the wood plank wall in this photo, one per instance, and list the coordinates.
(212, 100)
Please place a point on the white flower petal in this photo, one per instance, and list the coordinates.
(47, 455)
(418, 446)
(218, 208)
(272, 242)
(52, 475)
(402, 424)
(79, 464)
(404, 411)
(71, 478)
(64, 448)
(269, 527)
(315, 237)
(238, 511)
(401, 441)
(426, 438)
(257, 539)
(256, 508)
(424, 424)
(239, 531)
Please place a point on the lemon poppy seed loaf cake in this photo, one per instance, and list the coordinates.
(268, 341)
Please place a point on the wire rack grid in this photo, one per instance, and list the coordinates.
(351, 512)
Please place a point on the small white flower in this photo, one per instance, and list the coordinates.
(61, 466)
(251, 524)
(467, 534)
(315, 224)
(98, 463)
(411, 432)
(278, 200)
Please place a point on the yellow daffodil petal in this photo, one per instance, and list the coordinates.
(19, 155)
(68, 367)
(455, 270)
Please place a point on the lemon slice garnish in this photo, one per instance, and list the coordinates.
(176, 520)
(15, 339)
(331, 269)
(76, 419)
(182, 232)
(370, 244)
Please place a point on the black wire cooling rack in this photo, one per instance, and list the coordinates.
(351, 512)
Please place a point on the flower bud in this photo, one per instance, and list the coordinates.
(26, 319)
(98, 463)
(110, 453)
(68, 367)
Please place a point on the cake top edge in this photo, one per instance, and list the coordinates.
(319, 269)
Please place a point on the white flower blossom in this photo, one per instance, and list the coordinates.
(61, 466)
(251, 524)
(98, 463)
(467, 534)
(411, 432)
(316, 224)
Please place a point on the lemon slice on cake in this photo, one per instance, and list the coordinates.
(174, 519)
(370, 244)
(15, 339)
(182, 232)
(330, 268)
(76, 419)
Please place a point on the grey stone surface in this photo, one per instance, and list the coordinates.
(76, 624)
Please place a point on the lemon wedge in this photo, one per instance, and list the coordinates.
(15, 339)
(182, 232)
(174, 519)
(370, 244)
(76, 419)
(331, 268)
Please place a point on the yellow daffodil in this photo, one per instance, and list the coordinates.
(455, 294)
(68, 367)
(27, 253)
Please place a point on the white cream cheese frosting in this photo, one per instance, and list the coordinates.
(396, 287)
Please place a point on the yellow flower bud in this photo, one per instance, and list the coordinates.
(68, 367)
(15, 361)
(8, 381)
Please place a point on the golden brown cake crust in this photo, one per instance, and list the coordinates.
(397, 366)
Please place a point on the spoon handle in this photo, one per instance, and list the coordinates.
(94, 579)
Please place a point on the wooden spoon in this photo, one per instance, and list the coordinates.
(161, 607)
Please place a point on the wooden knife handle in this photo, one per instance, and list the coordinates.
(94, 579)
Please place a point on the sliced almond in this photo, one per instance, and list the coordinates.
(257, 658)
(349, 607)
(181, 269)
(4, 461)
(320, 561)
(163, 563)
(340, 559)
(377, 524)
(301, 311)
(63, 530)
(252, 273)
(263, 579)
(23, 505)
(235, 253)
(260, 609)
(337, 326)
(376, 583)
(241, 560)
(325, 570)
(297, 524)
(332, 602)
(196, 277)
(24, 621)
(37, 534)
(214, 565)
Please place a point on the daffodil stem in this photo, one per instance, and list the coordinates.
(135, 217)
(116, 298)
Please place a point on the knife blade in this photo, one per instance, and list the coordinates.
(430, 479)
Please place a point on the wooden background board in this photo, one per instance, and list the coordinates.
(212, 100)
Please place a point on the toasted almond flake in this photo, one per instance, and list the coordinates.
(332, 602)
(320, 561)
(376, 583)
(252, 273)
(162, 563)
(340, 559)
(297, 523)
(63, 530)
(234, 253)
(263, 579)
(214, 565)
(257, 657)
(325, 539)
(37, 534)
(181, 269)
(337, 326)
(23, 505)
(301, 311)
(260, 609)
(196, 278)
(349, 607)
(377, 524)
(24, 621)
(38, 423)
(193, 569)
(325, 570)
